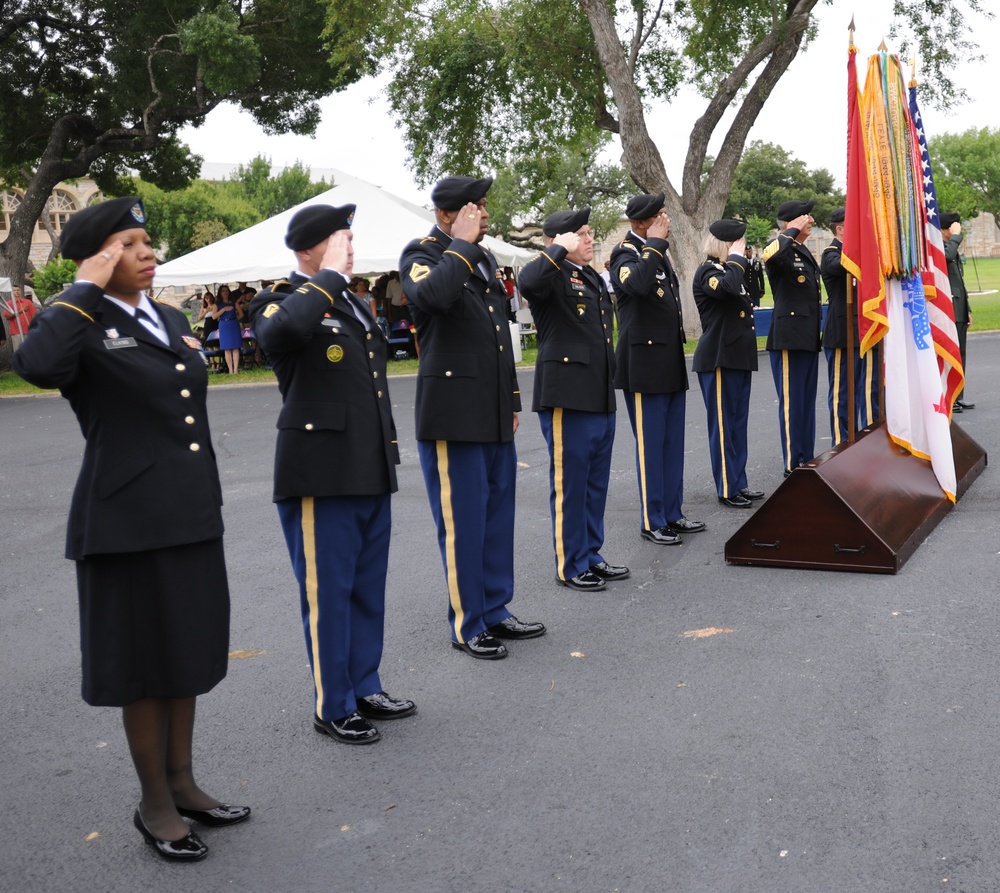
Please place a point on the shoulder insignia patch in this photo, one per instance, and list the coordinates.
(419, 272)
(623, 274)
(270, 310)
(713, 283)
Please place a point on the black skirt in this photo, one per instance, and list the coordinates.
(153, 624)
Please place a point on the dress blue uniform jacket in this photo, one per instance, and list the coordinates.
(336, 435)
(794, 278)
(466, 385)
(728, 339)
(574, 318)
(141, 407)
(651, 336)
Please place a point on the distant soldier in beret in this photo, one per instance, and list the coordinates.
(145, 523)
(726, 358)
(334, 468)
(466, 409)
(652, 370)
(574, 394)
(866, 368)
(951, 228)
(793, 340)
(755, 277)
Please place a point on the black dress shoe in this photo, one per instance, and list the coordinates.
(610, 571)
(738, 501)
(965, 405)
(956, 407)
(223, 814)
(383, 706)
(350, 729)
(747, 493)
(662, 537)
(585, 582)
(188, 849)
(683, 525)
(512, 628)
(484, 646)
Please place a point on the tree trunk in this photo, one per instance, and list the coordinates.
(693, 210)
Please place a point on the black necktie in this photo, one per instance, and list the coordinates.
(142, 315)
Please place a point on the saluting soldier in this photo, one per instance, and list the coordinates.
(866, 384)
(466, 411)
(651, 367)
(334, 469)
(726, 357)
(574, 394)
(793, 340)
(145, 523)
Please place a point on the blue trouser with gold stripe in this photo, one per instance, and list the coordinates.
(795, 373)
(471, 489)
(580, 445)
(866, 386)
(658, 425)
(727, 405)
(339, 546)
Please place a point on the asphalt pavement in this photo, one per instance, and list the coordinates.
(823, 731)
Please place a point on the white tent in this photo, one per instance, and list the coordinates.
(383, 225)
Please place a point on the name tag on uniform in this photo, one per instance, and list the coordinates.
(576, 283)
(333, 324)
(115, 343)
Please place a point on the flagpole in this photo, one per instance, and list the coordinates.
(852, 415)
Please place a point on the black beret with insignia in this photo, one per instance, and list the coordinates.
(452, 193)
(312, 225)
(86, 230)
(565, 222)
(792, 209)
(644, 206)
(728, 230)
(948, 219)
(837, 216)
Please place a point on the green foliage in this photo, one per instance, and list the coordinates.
(481, 84)
(758, 232)
(229, 60)
(51, 278)
(182, 220)
(767, 176)
(967, 171)
(272, 195)
(527, 190)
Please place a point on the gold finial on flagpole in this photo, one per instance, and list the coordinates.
(882, 48)
(913, 71)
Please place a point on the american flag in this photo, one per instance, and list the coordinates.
(934, 273)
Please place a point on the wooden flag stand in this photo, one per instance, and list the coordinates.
(861, 506)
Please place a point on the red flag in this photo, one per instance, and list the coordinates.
(860, 252)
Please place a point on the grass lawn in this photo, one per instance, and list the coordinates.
(981, 275)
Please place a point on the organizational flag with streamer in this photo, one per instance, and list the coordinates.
(919, 357)
(860, 249)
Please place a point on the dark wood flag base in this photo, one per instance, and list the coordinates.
(862, 506)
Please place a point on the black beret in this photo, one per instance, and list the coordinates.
(644, 206)
(565, 222)
(86, 230)
(791, 210)
(728, 230)
(837, 216)
(948, 219)
(452, 193)
(312, 225)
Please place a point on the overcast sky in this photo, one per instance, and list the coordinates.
(806, 114)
